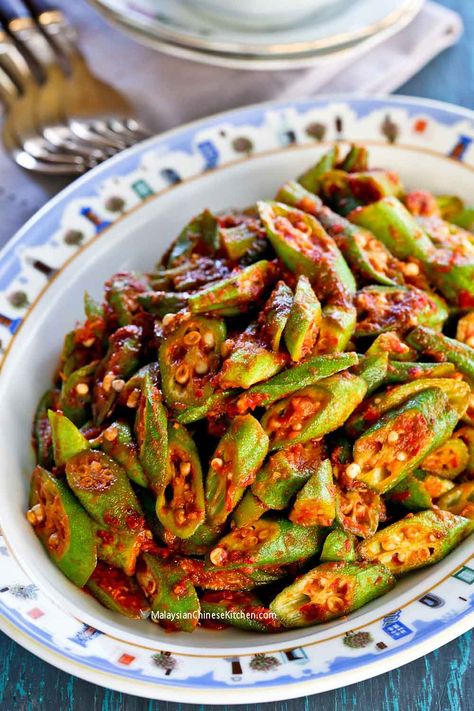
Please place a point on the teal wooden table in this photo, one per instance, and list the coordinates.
(441, 681)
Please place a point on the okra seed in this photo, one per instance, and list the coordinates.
(110, 434)
(192, 338)
(411, 269)
(393, 437)
(263, 534)
(167, 319)
(118, 385)
(218, 556)
(297, 427)
(133, 398)
(82, 388)
(185, 468)
(217, 463)
(470, 341)
(401, 557)
(35, 515)
(89, 342)
(208, 339)
(388, 545)
(182, 374)
(401, 456)
(353, 470)
(53, 541)
(107, 382)
(201, 367)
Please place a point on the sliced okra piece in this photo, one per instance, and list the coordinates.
(415, 541)
(236, 460)
(200, 543)
(404, 371)
(189, 358)
(372, 409)
(121, 293)
(172, 596)
(389, 220)
(467, 436)
(288, 381)
(313, 411)
(250, 361)
(453, 210)
(130, 393)
(339, 546)
(396, 444)
(465, 329)
(452, 274)
(242, 240)
(311, 179)
(121, 547)
(268, 541)
(373, 369)
(151, 431)
(103, 488)
(76, 393)
(243, 610)
(459, 500)
(390, 342)
(411, 493)
(306, 249)
(67, 439)
(329, 591)
(200, 235)
(356, 160)
(92, 308)
(119, 364)
(286, 472)
(180, 503)
(237, 293)
(117, 591)
(315, 503)
(443, 348)
(207, 577)
(62, 525)
(397, 308)
(117, 441)
(301, 329)
(336, 329)
(214, 406)
(249, 510)
(160, 303)
(42, 434)
(447, 460)
(358, 510)
(365, 254)
(275, 314)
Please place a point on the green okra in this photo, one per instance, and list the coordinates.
(453, 210)
(397, 308)
(390, 342)
(311, 179)
(236, 460)
(303, 245)
(329, 591)
(118, 442)
(373, 369)
(448, 460)
(42, 434)
(459, 500)
(415, 541)
(249, 510)
(358, 510)
(275, 314)
(67, 439)
(62, 525)
(103, 488)
(307, 373)
(214, 406)
(120, 362)
(372, 409)
(250, 361)
(467, 436)
(356, 160)
(210, 577)
(405, 371)
(396, 444)
(313, 411)
(336, 329)
(76, 393)
(443, 348)
(237, 293)
(339, 546)
(301, 328)
(241, 240)
(121, 547)
(200, 235)
(160, 303)
(315, 503)
(411, 493)
(118, 592)
(180, 502)
(172, 597)
(389, 220)
(92, 308)
(285, 472)
(151, 431)
(243, 610)
(121, 293)
(189, 358)
(268, 541)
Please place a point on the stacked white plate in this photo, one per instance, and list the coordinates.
(183, 30)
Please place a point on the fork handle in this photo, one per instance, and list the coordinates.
(40, 7)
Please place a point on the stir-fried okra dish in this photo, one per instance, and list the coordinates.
(275, 423)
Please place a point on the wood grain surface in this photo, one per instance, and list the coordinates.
(441, 681)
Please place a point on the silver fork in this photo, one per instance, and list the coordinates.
(92, 105)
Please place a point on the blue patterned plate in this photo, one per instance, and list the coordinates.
(122, 215)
